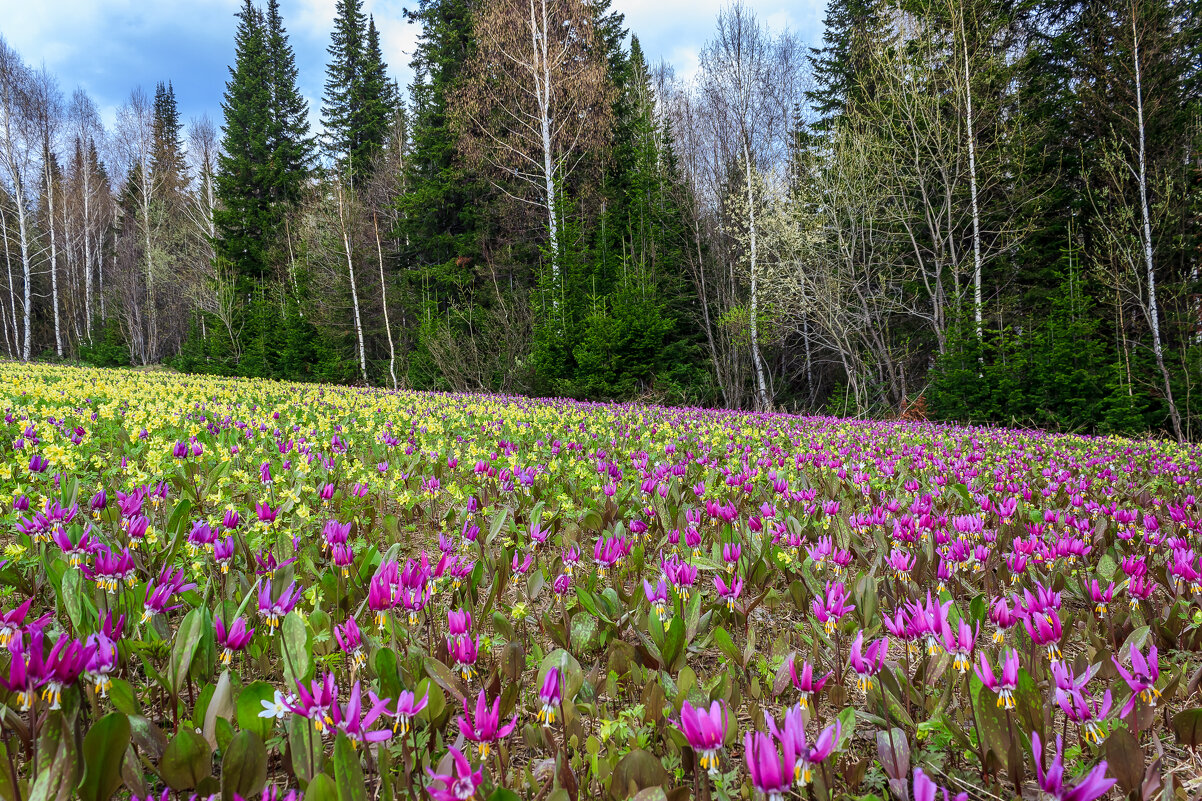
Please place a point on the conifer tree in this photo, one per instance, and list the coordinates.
(359, 103)
(288, 137)
(167, 154)
(842, 66)
(245, 219)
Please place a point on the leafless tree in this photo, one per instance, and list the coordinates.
(536, 102)
(19, 150)
(749, 81)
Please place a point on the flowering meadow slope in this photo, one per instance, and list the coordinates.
(230, 588)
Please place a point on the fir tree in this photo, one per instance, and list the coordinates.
(167, 156)
(245, 218)
(379, 104)
(288, 137)
(359, 103)
(841, 67)
(440, 217)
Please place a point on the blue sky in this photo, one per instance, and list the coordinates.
(110, 46)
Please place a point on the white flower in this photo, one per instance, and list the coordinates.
(274, 708)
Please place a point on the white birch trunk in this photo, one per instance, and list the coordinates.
(27, 269)
(149, 343)
(542, 87)
(58, 334)
(15, 343)
(100, 277)
(978, 301)
(350, 271)
(384, 304)
(761, 389)
(1153, 305)
(87, 248)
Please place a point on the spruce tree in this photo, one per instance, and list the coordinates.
(442, 211)
(359, 101)
(842, 75)
(245, 218)
(378, 105)
(167, 155)
(288, 136)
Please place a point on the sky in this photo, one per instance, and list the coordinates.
(110, 46)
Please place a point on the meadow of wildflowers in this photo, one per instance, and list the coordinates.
(243, 589)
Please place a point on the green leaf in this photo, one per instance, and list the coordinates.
(446, 678)
(673, 643)
(991, 720)
(436, 699)
(636, 771)
(498, 522)
(123, 698)
(193, 627)
(503, 794)
(179, 517)
(847, 727)
(250, 704)
(322, 788)
(221, 705)
(244, 766)
(58, 760)
(73, 597)
(386, 669)
(186, 761)
(295, 648)
(103, 749)
(308, 752)
(727, 646)
(584, 632)
(570, 672)
(502, 626)
(347, 773)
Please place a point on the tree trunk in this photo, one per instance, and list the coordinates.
(1153, 306)
(761, 389)
(149, 340)
(15, 345)
(543, 91)
(978, 302)
(27, 270)
(87, 249)
(58, 334)
(384, 303)
(350, 271)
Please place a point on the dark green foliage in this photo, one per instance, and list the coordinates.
(619, 329)
(842, 71)
(1057, 374)
(247, 217)
(266, 147)
(107, 348)
(167, 157)
(288, 137)
(359, 101)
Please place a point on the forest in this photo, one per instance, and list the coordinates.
(981, 211)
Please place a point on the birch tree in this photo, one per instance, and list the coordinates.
(85, 130)
(747, 77)
(19, 147)
(536, 101)
(1131, 206)
(47, 109)
(135, 140)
